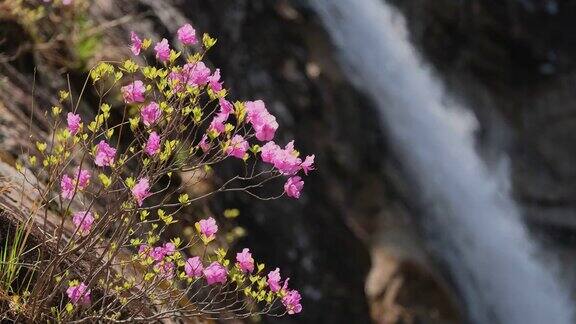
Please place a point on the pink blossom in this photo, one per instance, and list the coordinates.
(66, 2)
(177, 80)
(215, 273)
(214, 81)
(285, 160)
(169, 248)
(245, 261)
(158, 253)
(150, 113)
(217, 124)
(292, 302)
(74, 123)
(153, 144)
(293, 187)
(79, 294)
(204, 144)
(133, 92)
(308, 164)
(83, 221)
(269, 151)
(136, 46)
(285, 285)
(83, 177)
(187, 35)
(238, 147)
(68, 185)
(194, 267)
(141, 191)
(208, 228)
(225, 106)
(105, 154)
(196, 73)
(162, 49)
(165, 269)
(192, 74)
(274, 280)
(262, 121)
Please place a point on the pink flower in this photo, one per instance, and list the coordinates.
(141, 191)
(177, 80)
(208, 228)
(157, 253)
(266, 129)
(285, 160)
(68, 185)
(83, 177)
(215, 273)
(165, 269)
(162, 50)
(133, 92)
(150, 113)
(136, 46)
(196, 73)
(308, 164)
(104, 154)
(169, 248)
(74, 123)
(274, 280)
(217, 124)
(66, 2)
(194, 267)
(83, 221)
(204, 145)
(238, 147)
(292, 302)
(79, 294)
(293, 187)
(269, 151)
(153, 144)
(187, 35)
(245, 261)
(225, 106)
(262, 121)
(214, 81)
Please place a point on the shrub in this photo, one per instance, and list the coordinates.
(112, 180)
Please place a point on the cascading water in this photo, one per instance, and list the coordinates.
(483, 239)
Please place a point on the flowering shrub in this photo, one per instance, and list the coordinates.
(113, 178)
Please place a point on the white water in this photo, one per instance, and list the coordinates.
(483, 239)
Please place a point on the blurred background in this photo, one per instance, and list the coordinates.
(444, 134)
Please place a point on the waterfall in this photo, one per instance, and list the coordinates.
(484, 242)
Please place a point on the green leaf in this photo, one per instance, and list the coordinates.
(231, 213)
(106, 181)
(183, 198)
